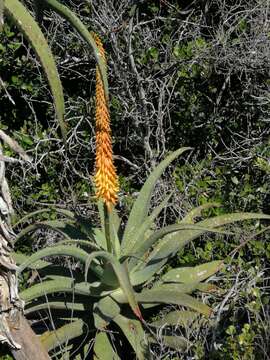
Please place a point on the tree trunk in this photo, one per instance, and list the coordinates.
(14, 328)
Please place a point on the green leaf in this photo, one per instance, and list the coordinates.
(66, 285)
(133, 331)
(52, 339)
(105, 311)
(100, 238)
(194, 213)
(179, 318)
(22, 258)
(139, 248)
(30, 215)
(66, 229)
(167, 296)
(178, 343)
(47, 287)
(122, 275)
(141, 206)
(32, 32)
(76, 23)
(189, 275)
(141, 272)
(61, 250)
(175, 241)
(103, 349)
(59, 305)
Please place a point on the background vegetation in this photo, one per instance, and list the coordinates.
(181, 73)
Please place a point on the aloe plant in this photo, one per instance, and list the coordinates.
(116, 283)
(119, 287)
(15, 11)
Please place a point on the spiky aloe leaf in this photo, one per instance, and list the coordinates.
(53, 339)
(22, 258)
(61, 250)
(172, 296)
(122, 275)
(175, 241)
(133, 331)
(56, 225)
(31, 30)
(76, 23)
(24, 219)
(147, 244)
(179, 317)
(189, 218)
(178, 343)
(83, 243)
(189, 275)
(105, 311)
(103, 349)
(47, 287)
(59, 305)
(100, 238)
(66, 285)
(141, 206)
(140, 239)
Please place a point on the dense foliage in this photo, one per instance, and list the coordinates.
(192, 74)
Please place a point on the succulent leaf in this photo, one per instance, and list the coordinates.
(62, 250)
(53, 339)
(103, 349)
(196, 212)
(24, 219)
(141, 206)
(178, 343)
(177, 318)
(167, 296)
(25, 22)
(76, 23)
(134, 332)
(122, 275)
(105, 311)
(22, 258)
(175, 241)
(64, 228)
(66, 285)
(59, 305)
(140, 239)
(189, 275)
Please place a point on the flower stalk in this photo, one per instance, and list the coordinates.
(106, 179)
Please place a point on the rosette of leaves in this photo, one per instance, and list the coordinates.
(118, 290)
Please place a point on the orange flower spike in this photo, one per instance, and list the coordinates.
(106, 179)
